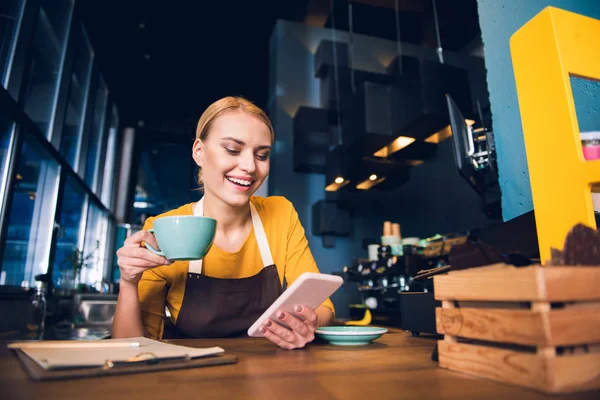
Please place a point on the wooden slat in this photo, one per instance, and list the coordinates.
(565, 374)
(523, 369)
(567, 327)
(576, 373)
(505, 326)
(507, 283)
(571, 283)
(572, 326)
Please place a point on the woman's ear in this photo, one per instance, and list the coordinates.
(198, 152)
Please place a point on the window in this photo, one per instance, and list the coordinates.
(110, 160)
(31, 216)
(47, 64)
(76, 103)
(95, 133)
(94, 247)
(10, 12)
(6, 130)
(70, 230)
(44, 66)
(160, 185)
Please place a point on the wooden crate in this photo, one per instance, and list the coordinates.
(535, 326)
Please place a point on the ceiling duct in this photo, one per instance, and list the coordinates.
(324, 69)
(420, 109)
(311, 139)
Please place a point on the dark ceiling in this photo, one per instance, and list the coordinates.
(185, 55)
(167, 61)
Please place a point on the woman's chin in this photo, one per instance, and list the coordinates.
(240, 199)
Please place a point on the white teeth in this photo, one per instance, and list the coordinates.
(239, 181)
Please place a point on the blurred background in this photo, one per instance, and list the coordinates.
(402, 111)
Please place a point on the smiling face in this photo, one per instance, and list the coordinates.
(234, 157)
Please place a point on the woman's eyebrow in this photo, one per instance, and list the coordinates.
(242, 143)
(238, 141)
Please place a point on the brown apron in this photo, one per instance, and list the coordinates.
(215, 307)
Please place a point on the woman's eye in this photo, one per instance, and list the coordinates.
(231, 151)
(262, 157)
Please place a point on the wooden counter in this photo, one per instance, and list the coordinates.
(397, 366)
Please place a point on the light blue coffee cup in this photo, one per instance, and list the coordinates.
(183, 237)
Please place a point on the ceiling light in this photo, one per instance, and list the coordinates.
(369, 183)
(147, 56)
(373, 177)
(339, 180)
(336, 185)
(398, 144)
(440, 135)
(141, 25)
(445, 133)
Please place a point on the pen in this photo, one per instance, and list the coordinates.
(72, 345)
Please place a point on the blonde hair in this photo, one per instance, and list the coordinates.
(224, 105)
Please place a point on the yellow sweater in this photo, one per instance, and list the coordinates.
(165, 285)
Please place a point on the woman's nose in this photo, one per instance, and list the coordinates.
(248, 163)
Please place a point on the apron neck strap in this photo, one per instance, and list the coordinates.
(259, 231)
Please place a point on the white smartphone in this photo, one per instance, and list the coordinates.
(311, 289)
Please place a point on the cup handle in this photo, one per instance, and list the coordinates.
(152, 249)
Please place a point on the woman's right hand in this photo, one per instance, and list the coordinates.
(133, 259)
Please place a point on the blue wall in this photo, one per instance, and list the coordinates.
(499, 20)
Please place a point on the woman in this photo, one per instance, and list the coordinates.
(223, 294)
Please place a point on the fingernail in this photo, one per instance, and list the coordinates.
(281, 316)
(263, 330)
(298, 308)
(169, 262)
(268, 323)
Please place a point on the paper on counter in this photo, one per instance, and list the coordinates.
(53, 358)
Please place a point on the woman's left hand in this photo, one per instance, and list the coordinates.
(302, 325)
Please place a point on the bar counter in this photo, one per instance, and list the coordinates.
(396, 366)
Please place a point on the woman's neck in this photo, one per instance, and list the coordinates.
(228, 217)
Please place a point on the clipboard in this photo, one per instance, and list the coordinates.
(38, 373)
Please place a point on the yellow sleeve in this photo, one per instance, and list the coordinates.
(299, 258)
(152, 292)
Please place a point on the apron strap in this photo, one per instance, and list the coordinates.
(259, 231)
(261, 237)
